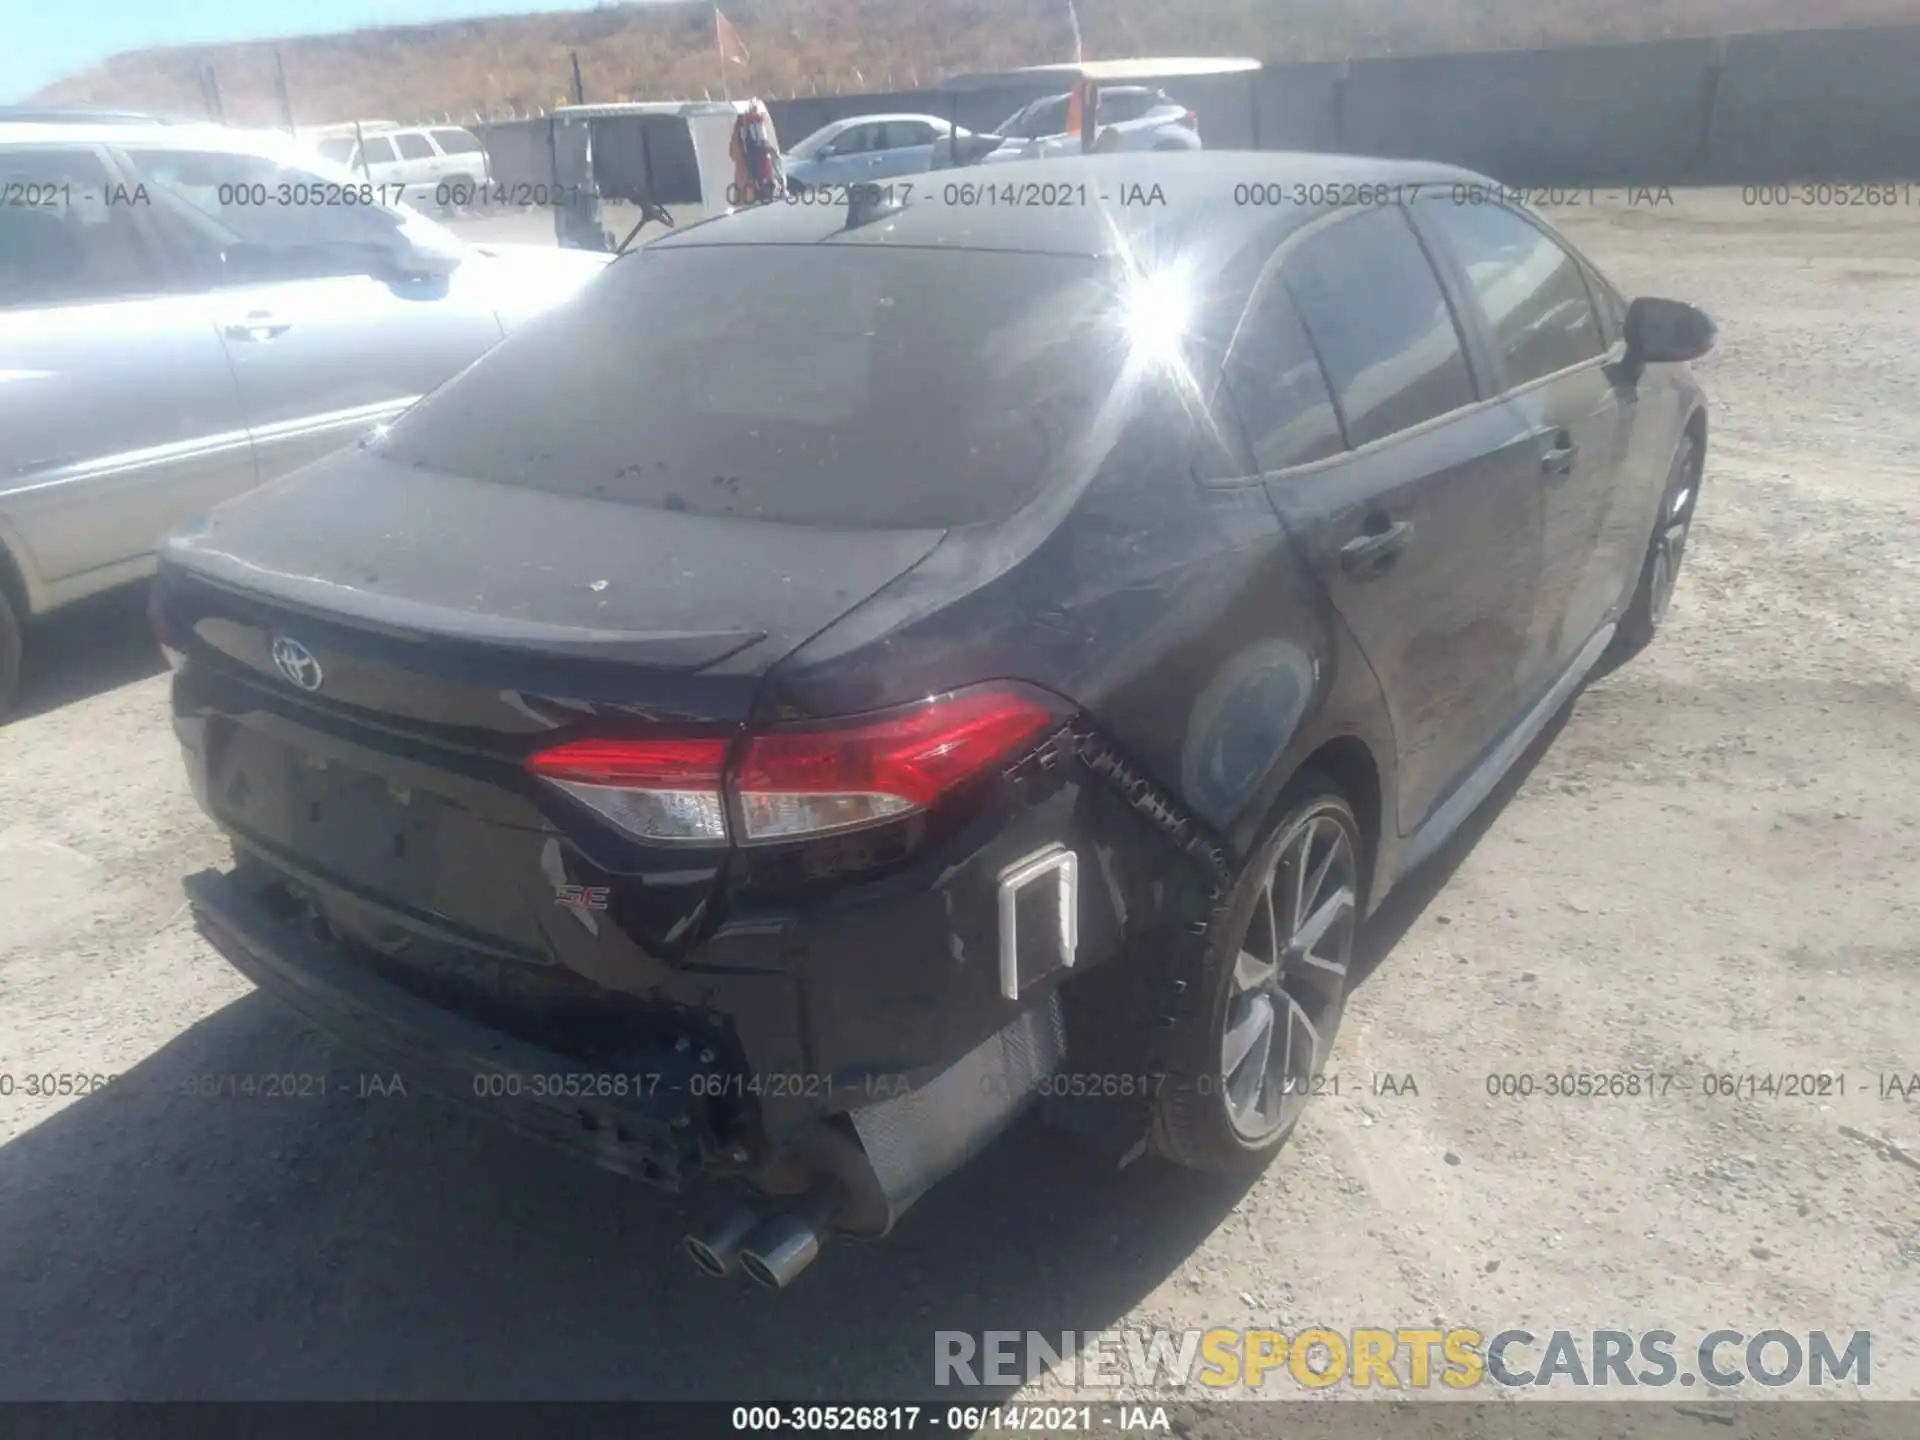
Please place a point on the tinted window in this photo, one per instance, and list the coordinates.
(63, 235)
(224, 212)
(457, 142)
(850, 385)
(1277, 384)
(413, 147)
(1530, 291)
(1381, 324)
(379, 150)
(338, 149)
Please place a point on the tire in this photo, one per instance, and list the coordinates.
(1666, 549)
(455, 187)
(1228, 1115)
(10, 646)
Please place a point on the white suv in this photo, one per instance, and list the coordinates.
(438, 166)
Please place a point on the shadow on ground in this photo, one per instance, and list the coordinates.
(155, 1243)
(88, 649)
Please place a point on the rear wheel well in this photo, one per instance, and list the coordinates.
(1349, 764)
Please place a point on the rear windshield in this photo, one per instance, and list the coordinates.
(843, 385)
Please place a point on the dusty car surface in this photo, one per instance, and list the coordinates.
(993, 655)
(187, 311)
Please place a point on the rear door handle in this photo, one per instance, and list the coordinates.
(259, 325)
(1366, 557)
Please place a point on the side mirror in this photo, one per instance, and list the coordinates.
(1667, 332)
(402, 261)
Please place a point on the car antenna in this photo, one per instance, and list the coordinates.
(649, 208)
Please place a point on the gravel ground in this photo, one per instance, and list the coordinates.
(1709, 867)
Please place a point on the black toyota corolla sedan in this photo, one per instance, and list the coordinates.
(858, 673)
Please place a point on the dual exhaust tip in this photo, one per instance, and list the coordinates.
(771, 1250)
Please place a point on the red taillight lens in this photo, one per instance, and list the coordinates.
(801, 781)
(848, 774)
(666, 790)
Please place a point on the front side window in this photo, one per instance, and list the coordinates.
(854, 140)
(1529, 291)
(413, 147)
(245, 219)
(379, 150)
(338, 149)
(1381, 324)
(65, 234)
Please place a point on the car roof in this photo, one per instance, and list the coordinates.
(191, 134)
(1036, 206)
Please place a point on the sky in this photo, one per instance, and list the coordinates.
(46, 39)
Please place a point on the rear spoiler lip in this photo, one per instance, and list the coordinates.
(419, 622)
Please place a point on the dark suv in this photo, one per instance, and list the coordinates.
(849, 673)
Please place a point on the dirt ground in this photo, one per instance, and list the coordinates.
(1710, 867)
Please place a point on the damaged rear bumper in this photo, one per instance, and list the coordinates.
(645, 1119)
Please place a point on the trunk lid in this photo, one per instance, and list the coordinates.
(476, 607)
(373, 650)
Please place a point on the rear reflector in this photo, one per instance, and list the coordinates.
(667, 790)
(800, 781)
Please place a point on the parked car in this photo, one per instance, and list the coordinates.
(951, 670)
(188, 311)
(1131, 117)
(867, 147)
(442, 167)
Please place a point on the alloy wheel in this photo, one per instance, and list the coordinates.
(1289, 979)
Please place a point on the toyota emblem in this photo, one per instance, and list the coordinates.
(296, 663)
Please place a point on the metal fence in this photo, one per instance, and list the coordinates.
(1826, 105)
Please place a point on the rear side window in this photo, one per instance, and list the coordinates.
(456, 142)
(1380, 321)
(902, 133)
(413, 147)
(852, 385)
(63, 236)
(1530, 292)
(1121, 105)
(1277, 384)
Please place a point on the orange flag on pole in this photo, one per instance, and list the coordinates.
(732, 47)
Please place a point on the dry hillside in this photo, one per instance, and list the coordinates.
(520, 63)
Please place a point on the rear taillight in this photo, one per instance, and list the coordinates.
(846, 774)
(667, 790)
(795, 782)
(1191, 121)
